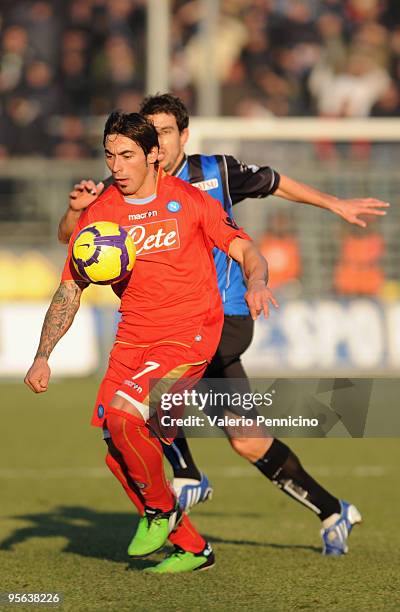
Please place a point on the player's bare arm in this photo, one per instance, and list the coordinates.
(255, 270)
(83, 194)
(58, 320)
(349, 209)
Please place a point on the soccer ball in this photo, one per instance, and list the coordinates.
(103, 253)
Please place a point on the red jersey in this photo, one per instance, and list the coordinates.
(172, 294)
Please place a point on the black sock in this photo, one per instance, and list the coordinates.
(181, 460)
(283, 468)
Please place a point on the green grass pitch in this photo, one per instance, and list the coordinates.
(65, 521)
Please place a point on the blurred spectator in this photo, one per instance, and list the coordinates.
(80, 13)
(115, 68)
(129, 100)
(351, 93)
(363, 10)
(27, 112)
(38, 87)
(359, 270)
(394, 61)
(43, 29)
(14, 54)
(74, 92)
(73, 74)
(71, 142)
(388, 104)
(331, 29)
(234, 92)
(26, 127)
(232, 36)
(274, 57)
(281, 249)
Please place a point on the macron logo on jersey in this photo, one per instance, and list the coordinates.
(207, 185)
(143, 215)
(155, 237)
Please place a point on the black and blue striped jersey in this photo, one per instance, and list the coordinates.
(229, 181)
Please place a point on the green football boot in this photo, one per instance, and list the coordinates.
(153, 530)
(183, 561)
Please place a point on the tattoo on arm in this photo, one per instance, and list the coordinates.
(59, 317)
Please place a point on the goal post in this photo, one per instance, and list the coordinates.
(321, 329)
(296, 129)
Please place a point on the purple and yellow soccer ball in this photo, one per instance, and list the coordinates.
(103, 253)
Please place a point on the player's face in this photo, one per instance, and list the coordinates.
(172, 142)
(132, 170)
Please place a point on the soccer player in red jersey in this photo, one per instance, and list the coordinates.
(170, 327)
(235, 181)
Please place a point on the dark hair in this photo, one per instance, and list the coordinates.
(133, 126)
(169, 104)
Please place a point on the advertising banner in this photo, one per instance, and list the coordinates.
(75, 355)
(323, 336)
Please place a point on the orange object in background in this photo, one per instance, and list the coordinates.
(283, 256)
(280, 247)
(358, 271)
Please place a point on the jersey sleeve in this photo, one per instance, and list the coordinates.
(250, 181)
(219, 228)
(69, 272)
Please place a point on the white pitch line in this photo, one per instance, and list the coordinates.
(357, 471)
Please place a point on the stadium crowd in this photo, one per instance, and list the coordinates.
(72, 59)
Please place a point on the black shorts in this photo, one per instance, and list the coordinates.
(236, 337)
(237, 334)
